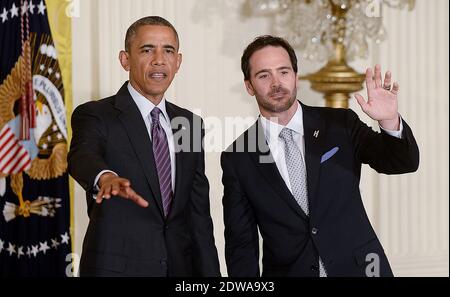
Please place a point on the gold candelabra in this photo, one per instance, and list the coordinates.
(335, 31)
(336, 80)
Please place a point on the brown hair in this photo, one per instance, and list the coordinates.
(261, 42)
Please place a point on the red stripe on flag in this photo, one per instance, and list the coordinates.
(4, 131)
(24, 155)
(23, 168)
(7, 141)
(11, 159)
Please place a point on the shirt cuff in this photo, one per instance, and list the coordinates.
(398, 133)
(96, 188)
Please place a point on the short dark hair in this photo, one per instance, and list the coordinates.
(261, 42)
(148, 20)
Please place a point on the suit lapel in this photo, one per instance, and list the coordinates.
(266, 164)
(314, 135)
(132, 120)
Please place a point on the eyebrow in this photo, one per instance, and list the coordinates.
(268, 70)
(166, 46)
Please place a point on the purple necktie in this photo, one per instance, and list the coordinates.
(162, 160)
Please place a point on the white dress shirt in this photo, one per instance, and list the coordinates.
(145, 106)
(276, 144)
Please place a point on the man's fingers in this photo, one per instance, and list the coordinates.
(395, 88)
(361, 101)
(377, 75)
(129, 193)
(132, 195)
(115, 188)
(140, 201)
(124, 182)
(99, 197)
(106, 191)
(120, 187)
(387, 81)
(369, 79)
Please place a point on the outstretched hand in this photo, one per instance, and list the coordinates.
(111, 184)
(382, 99)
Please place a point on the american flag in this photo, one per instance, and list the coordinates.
(14, 158)
(34, 186)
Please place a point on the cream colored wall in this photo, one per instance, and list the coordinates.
(409, 213)
(412, 210)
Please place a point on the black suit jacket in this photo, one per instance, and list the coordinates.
(122, 238)
(338, 229)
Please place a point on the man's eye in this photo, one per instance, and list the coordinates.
(170, 51)
(263, 76)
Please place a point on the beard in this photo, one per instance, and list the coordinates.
(277, 105)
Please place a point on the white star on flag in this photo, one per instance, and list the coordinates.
(41, 7)
(31, 7)
(11, 249)
(4, 15)
(20, 252)
(65, 238)
(43, 247)
(1, 245)
(14, 11)
(55, 243)
(34, 250)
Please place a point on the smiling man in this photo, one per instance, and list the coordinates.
(147, 195)
(300, 186)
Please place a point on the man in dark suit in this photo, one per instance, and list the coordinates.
(140, 160)
(294, 174)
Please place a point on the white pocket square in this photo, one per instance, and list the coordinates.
(329, 154)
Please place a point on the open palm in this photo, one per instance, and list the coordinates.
(382, 98)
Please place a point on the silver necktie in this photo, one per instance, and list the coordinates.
(296, 167)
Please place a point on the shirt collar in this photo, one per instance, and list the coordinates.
(144, 105)
(272, 129)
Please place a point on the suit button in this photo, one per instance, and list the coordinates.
(163, 262)
(314, 231)
(166, 227)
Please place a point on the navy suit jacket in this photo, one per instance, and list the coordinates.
(337, 229)
(122, 238)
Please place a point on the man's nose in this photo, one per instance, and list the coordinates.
(275, 83)
(158, 58)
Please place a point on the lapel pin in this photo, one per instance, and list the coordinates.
(316, 133)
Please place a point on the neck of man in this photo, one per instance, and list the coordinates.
(156, 99)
